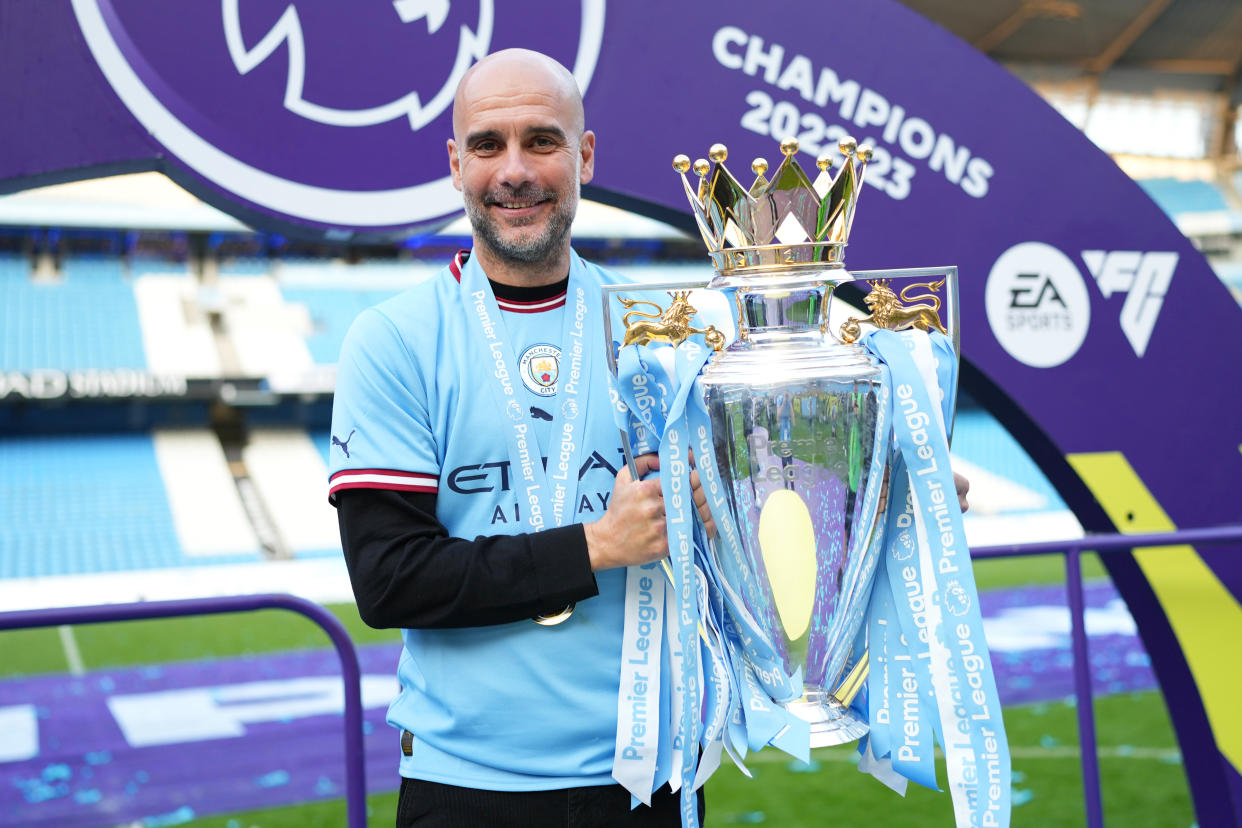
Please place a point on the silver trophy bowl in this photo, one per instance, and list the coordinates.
(794, 419)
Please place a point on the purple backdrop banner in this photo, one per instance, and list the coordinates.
(1092, 327)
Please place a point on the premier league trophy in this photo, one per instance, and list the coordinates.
(797, 416)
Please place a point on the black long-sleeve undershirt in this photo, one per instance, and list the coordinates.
(407, 572)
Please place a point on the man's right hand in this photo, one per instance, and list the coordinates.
(632, 530)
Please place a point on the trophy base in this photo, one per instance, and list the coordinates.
(832, 723)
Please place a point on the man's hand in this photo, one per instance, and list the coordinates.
(700, 501)
(632, 529)
(959, 482)
(963, 486)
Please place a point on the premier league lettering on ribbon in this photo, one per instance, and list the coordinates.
(936, 602)
(544, 492)
(803, 433)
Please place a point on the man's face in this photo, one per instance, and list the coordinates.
(519, 159)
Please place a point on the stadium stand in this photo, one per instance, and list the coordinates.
(1176, 197)
(1009, 496)
(176, 331)
(87, 321)
(207, 512)
(334, 293)
(331, 310)
(268, 334)
(1231, 274)
(245, 266)
(95, 503)
(141, 266)
(290, 472)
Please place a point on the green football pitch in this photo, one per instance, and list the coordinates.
(1143, 780)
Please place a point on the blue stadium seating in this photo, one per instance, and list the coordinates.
(86, 504)
(92, 270)
(322, 438)
(979, 439)
(332, 311)
(88, 321)
(14, 266)
(1176, 196)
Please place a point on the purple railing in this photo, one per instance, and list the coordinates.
(355, 765)
(1072, 550)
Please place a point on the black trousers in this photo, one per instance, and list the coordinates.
(432, 805)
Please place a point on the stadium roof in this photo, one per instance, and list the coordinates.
(1124, 46)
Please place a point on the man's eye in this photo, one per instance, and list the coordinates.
(486, 147)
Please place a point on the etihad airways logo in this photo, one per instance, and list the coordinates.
(1039, 308)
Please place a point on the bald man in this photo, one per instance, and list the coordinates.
(484, 504)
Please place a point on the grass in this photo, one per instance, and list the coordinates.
(1143, 780)
(1141, 773)
(1005, 573)
(130, 643)
(133, 643)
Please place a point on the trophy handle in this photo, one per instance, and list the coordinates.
(608, 291)
(950, 310)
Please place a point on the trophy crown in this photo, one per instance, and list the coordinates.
(780, 222)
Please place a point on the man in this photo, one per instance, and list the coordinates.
(454, 396)
(453, 529)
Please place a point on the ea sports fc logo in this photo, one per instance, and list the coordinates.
(327, 114)
(1037, 304)
(540, 365)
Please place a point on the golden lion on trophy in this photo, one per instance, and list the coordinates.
(888, 312)
(671, 326)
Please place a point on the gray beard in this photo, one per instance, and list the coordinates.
(527, 251)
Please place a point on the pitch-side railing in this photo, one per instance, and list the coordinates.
(1072, 550)
(355, 764)
(355, 768)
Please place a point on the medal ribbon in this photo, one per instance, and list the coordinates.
(550, 493)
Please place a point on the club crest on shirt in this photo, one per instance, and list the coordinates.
(539, 366)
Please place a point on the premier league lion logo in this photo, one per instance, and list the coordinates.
(330, 81)
(324, 119)
(903, 545)
(956, 600)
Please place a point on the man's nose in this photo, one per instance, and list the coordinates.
(515, 170)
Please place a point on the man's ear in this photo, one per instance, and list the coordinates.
(454, 163)
(586, 149)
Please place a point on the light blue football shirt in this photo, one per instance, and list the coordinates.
(516, 706)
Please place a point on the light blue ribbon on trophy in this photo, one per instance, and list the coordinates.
(644, 387)
(912, 724)
(879, 713)
(680, 519)
(933, 585)
(642, 750)
(551, 490)
(720, 662)
(639, 700)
